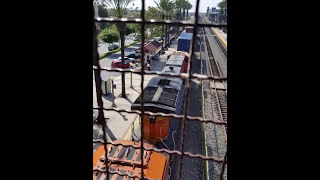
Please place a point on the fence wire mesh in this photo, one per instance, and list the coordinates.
(101, 120)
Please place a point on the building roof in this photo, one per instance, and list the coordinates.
(150, 47)
(173, 31)
(156, 43)
(153, 46)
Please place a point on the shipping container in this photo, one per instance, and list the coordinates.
(189, 29)
(184, 42)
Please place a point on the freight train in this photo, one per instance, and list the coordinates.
(162, 94)
(184, 42)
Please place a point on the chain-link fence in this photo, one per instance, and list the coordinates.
(186, 76)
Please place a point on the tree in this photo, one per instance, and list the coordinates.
(223, 6)
(121, 8)
(166, 7)
(153, 13)
(188, 7)
(109, 35)
(103, 12)
(179, 6)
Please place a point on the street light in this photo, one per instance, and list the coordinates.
(113, 104)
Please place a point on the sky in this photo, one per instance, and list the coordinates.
(203, 4)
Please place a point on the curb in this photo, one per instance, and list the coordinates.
(127, 135)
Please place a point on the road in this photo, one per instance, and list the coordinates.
(106, 62)
(103, 47)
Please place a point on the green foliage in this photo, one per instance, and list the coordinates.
(156, 31)
(109, 34)
(153, 13)
(120, 6)
(102, 12)
(166, 7)
(130, 28)
(222, 4)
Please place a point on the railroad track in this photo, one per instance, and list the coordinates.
(219, 87)
(216, 109)
(220, 44)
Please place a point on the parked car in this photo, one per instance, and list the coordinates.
(131, 55)
(127, 59)
(138, 53)
(117, 64)
(113, 47)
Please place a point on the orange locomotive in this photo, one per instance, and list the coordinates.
(127, 160)
(162, 94)
(179, 59)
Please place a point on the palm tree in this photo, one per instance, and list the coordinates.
(166, 7)
(188, 7)
(120, 7)
(179, 6)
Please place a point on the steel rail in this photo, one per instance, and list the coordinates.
(191, 118)
(222, 47)
(214, 83)
(142, 81)
(157, 21)
(180, 75)
(98, 81)
(162, 150)
(122, 174)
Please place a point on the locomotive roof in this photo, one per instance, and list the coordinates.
(127, 160)
(160, 95)
(176, 60)
(175, 69)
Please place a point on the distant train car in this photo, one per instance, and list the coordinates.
(160, 95)
(189, 29)
(127, 160)
(184, 42)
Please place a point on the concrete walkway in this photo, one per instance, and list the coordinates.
(119, 123)
(222, 34)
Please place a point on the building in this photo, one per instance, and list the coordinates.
(213, 14)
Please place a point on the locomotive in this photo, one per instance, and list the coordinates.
(163, 94)
(127, 160)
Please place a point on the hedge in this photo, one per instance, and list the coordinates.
(116, 50)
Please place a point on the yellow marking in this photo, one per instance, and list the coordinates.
(224, 41)
(128, 134)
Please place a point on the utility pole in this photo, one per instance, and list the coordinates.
(113, 104)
